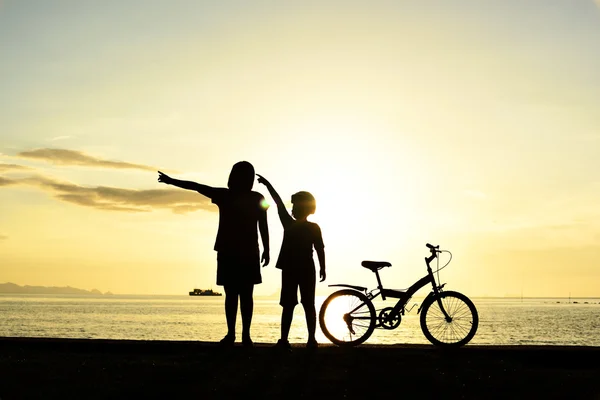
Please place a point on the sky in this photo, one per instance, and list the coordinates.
(471, 124)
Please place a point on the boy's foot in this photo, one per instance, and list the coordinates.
(227, 341)
(247, 342)
(312, 344)
(283, 344)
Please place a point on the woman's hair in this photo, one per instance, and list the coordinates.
(241, 176)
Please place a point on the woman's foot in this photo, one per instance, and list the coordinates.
(227, 341)
(247, 342)
(283, 344)
(312, 344)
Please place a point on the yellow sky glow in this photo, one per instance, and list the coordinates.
(470, 126)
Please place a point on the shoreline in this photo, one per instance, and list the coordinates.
(46, 368)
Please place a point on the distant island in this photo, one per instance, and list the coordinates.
(14, 288)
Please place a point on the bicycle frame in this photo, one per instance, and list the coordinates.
(404, 296)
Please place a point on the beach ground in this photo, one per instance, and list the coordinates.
(118, 369)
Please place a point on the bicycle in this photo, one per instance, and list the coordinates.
(448, 318)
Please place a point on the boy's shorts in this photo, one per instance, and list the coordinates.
(290, 282)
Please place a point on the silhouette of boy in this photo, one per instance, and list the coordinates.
(296, 261)
(238, 265)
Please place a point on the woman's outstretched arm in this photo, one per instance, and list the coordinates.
(205, 190)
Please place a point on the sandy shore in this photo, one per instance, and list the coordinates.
(109, 369)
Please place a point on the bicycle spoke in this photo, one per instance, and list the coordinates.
(460, 324)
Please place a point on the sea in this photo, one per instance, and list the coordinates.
(503, 321)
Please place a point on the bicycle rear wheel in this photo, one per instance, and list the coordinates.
(457, 331)
(347, 317)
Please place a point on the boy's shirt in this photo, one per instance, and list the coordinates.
(299, 238)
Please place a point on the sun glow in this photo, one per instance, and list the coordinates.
(357, 186)
(363, 184)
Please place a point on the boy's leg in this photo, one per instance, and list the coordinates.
(307, 293)
(286, 321)
(288, 300)
(246, 309)
(311, 320)
(231, 305)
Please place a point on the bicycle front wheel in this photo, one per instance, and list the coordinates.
(455, 331)
(347, 317)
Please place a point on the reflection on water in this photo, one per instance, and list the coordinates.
(502, 321)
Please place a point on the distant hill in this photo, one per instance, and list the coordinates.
(13, 288)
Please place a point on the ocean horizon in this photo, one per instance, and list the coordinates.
(503, 321)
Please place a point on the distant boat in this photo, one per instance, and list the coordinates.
(200, 292)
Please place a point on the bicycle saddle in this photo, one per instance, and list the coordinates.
(375, 265)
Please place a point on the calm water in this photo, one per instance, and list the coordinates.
(502, 321)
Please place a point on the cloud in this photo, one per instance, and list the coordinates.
(12, 167)
(72, 157)
(54, 139)
(5, 181)
(118, 199)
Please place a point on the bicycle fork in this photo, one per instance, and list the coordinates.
(435, 293)
(446, 316)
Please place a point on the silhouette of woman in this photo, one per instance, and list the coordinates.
(238, 265)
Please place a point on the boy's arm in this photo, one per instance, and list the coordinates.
(283, 214)
(205, 190)
(321, 255)
(320, 249)
(263, 227)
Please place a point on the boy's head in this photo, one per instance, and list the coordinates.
(304, 204)
(241, 176)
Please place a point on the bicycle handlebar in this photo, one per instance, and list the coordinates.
(434, 250)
